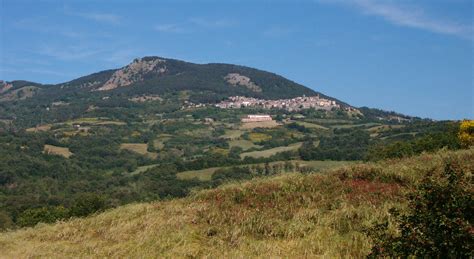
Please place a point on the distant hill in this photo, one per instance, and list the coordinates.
(156, 75)
(202, 83)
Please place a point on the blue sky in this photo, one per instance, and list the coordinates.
(413, 57)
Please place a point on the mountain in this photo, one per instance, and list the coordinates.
(156, 75)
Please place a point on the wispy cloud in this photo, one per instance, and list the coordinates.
(194, 24)
(408, 16)
(169, 28)
(101, 17)
(33, 71)
(41, 25)
(218, 23)
(70, 53)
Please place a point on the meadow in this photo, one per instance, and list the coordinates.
(291, 215)
(271, 151)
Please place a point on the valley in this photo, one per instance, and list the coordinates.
(165, 135)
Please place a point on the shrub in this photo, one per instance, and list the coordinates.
(466, 133)
(438, 221)
(31, 217)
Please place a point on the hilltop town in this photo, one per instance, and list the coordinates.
(294, 104)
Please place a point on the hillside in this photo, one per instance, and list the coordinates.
(292, 215)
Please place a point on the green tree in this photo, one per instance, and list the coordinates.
(87, 204)
(31, 217)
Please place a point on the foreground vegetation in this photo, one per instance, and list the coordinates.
(331, 214)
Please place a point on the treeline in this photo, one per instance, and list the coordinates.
(347, 144)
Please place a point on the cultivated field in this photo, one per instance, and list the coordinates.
(310, 125)
(139, 148)
(232, 134)
(45, 127)
(54, 150)
(263, 124)
(203, 175)
(271, 151)
(95, 121)
(243, 143)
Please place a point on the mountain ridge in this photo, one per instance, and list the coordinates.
(180, 75)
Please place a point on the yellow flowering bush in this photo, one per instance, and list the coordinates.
(466, 133)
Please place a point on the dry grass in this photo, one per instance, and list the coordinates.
(270, 152)
(289, 216)
(263, 124)
(139, 148)
(95, 121)
(54, 150)
(45, 127)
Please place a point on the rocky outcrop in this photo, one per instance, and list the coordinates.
(4, 86)
(236, 79)
(134, 72)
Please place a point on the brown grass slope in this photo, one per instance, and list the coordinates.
(293, 215)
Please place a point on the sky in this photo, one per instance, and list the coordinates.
(410, 56)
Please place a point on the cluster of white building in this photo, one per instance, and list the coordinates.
(294, 104)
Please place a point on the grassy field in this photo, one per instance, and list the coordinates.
(346, 126)
(288, 216)
(45, 127)
(202, 175)
(142, 169)
(258, 137)
(263, 124)
(381, 128)
(310, 125)
(95, 121)
(271, 151)
(243, 143)
(54, 150)
(206, 174)
(139, 148)
(232, 134)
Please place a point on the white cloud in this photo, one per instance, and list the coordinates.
(408, 16)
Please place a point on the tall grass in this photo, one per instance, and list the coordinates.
(292, 215)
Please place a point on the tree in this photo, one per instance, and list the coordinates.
(87, 204)
(31, 217)
(438, 221)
